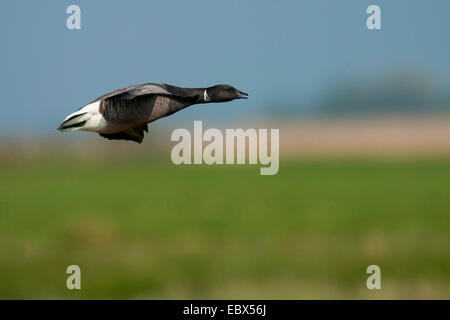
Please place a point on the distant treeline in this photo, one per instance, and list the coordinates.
(394, 92)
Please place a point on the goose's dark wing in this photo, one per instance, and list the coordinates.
(134, 91)
(140, 104)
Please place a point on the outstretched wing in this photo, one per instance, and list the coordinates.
(138, 104)
(134, 91)
(133, 104)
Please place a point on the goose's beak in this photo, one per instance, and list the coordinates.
(242, 95)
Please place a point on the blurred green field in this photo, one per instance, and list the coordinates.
(144, 228)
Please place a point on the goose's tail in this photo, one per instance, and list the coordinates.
(87, 118)
(75, 121)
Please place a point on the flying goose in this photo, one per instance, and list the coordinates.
(124, 113)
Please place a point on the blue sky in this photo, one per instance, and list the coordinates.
(273, 50)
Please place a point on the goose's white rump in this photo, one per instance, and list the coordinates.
(87, 118)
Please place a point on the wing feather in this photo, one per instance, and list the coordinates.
(134, 91)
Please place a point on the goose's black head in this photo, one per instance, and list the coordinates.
(223, 93)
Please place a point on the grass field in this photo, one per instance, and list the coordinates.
(149, 229)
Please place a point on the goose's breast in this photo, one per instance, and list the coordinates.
(164, 106)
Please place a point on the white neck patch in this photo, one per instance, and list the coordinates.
(206, 98)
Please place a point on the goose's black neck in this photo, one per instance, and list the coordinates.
(190, 95)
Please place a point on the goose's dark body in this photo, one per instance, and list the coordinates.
(124, 113)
